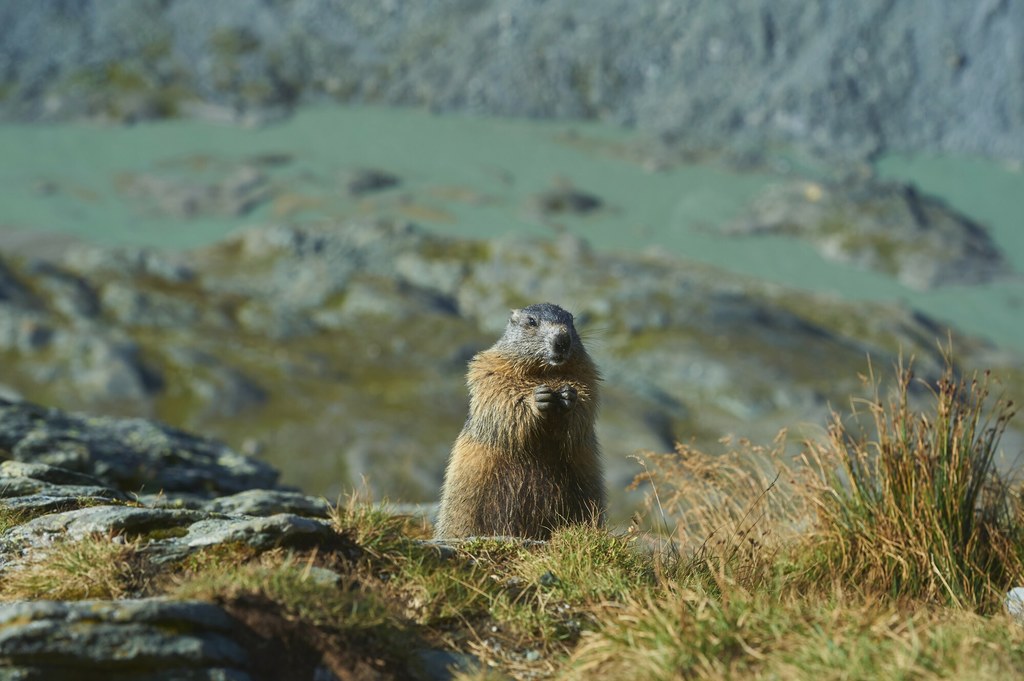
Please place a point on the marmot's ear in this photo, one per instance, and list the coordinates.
(514, 315)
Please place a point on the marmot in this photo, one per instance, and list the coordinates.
(527, 459)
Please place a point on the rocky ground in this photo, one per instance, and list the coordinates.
(885, 226)
(845, 80)
(137, 552)
(338, 353)
(80, 495)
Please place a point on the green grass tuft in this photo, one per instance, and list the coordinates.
(911, 501)
(92, 567)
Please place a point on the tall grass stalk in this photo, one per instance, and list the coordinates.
(911, 501)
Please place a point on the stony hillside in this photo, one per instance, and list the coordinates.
(841, 78)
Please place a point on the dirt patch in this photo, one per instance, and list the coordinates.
(285, 649)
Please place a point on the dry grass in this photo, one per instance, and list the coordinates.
(881, 552)
(910, 500)
(690, 634)
(694, 496)
(725, 520)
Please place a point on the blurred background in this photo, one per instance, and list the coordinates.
(290, 223)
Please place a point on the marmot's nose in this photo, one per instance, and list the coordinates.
(562, 342)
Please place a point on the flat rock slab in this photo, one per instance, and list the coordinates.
(35, 489)
(260, 533)
(144, 639)
(128, 454)
(46, 473)
(262, 502)
(102, 520)
(173, 533)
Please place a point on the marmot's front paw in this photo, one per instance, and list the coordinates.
(545, 399)
(567, 397)
(548, 401)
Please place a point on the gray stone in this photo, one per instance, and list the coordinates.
(367, 181)
(52, 501)
(103, 520)
(128, 454)
(262, 502)
(66, 292)
(145, 639)
(126, 303)
(46, 473)
(12, 291)
(441, 665)
(26, 331)
(1014, 604)
(35, 488)
(169, 534)
(565, 199)
(106, 366)
(128, 262)
(282, 529)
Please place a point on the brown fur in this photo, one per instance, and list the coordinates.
(515, 470)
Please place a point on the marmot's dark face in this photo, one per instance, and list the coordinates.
(544, 332)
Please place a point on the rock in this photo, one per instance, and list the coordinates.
(12, 291)
(103, 520)
(565, 199)
(74, 512)
(442, 665)
(128, 454)
(269, 502)
(132, 307)
(39, 488)
(10, 394)
(886, 226)
(24, 331)
(136, 263)
(142, 640)
(107, 366)
(282, 529)
(67, 293)
(368, 180)
(237, 195)
(1014, 604)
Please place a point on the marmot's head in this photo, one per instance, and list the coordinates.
(542, 332)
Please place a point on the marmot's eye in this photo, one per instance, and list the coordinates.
(531, 321)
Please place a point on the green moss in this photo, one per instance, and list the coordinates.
(461, 251)
(168, 99)
(581, 80)
(887, 251)
(164, 533)
(257, 91)
(233, 42)
(124, 78)
(157, 49)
